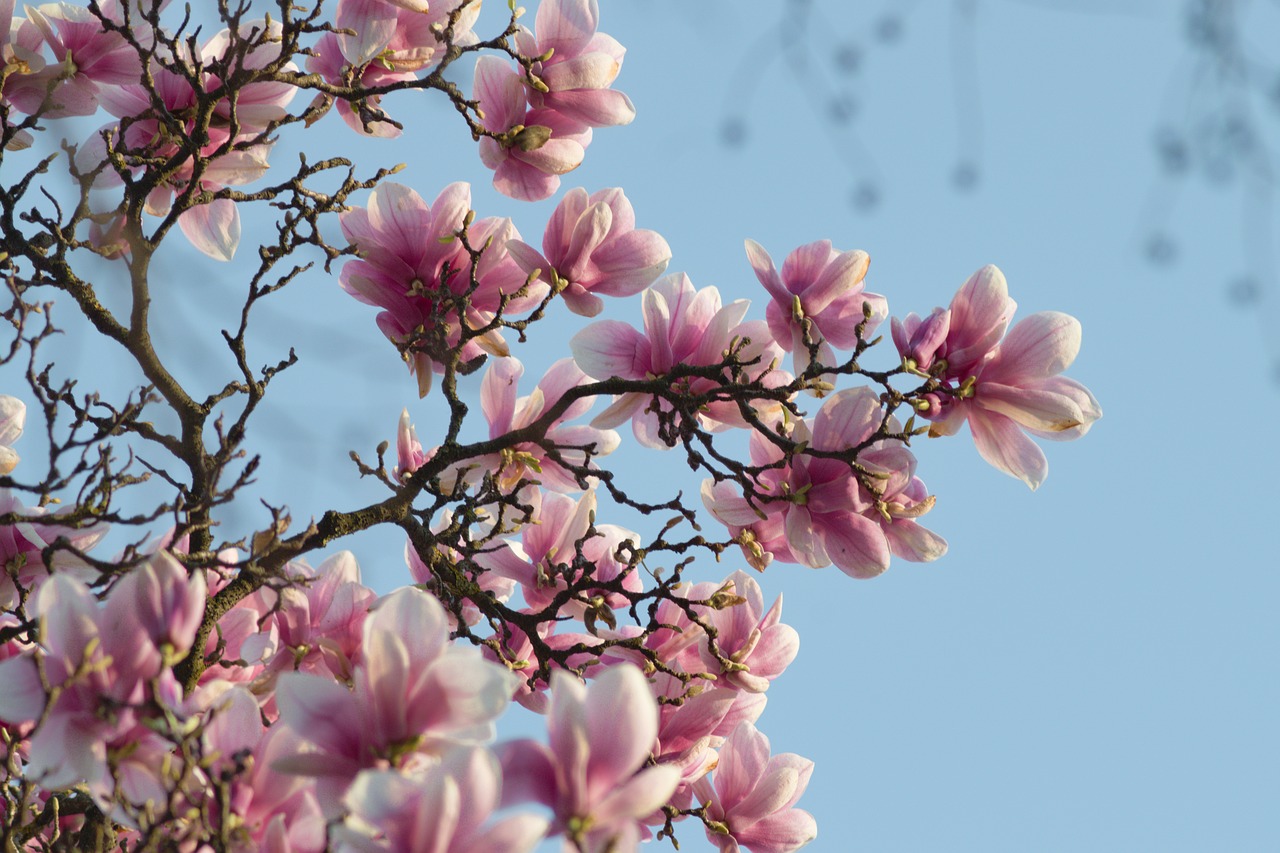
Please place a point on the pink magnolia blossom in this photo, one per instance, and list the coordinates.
(751, 798)
(329, 60)
(592, 774)
(682, 326)
(694, 722)
(814, 511)
(413, 267)
(87, 58)
(756, 641)
(166, 603)
(1005, 386)
(401, 35)
(319, 620)
(582, 65)
(547, 556)
(444, 809)
(413, 690)
(592, 247)
(546, 125)
(409, 453)
(821, 285)
(507, 413)
(545, 144)
(13, 416)
(22, 68)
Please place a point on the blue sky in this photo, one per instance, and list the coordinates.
(1093, 666)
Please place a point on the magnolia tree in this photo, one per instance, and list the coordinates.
(207, 689)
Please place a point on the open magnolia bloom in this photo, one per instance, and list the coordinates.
(414, 267)
(1004, 386)
(412, 691)
(683, 327)
(820, 289)
(593, 773)
(592, 248)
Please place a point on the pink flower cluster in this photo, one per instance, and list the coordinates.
(812, 509)
(236, 143)
(545, 119)
(316, 714)
(101, 662)
(361, 713)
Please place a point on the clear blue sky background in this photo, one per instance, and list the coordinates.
(1094, 666)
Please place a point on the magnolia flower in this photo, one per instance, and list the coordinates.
(412, 691)
(592, 774)
(1005, 386)
(318, 621)
(87, 58)
(682, 326)
(760, 644)
(591, 247)
(165, 602)
(443, 809)
(822, 286)
(547, 556)
(13, 416)
(545, 126)
(751, 798)
(581, 66)
(542, 145)
(413, 266)
(694, 721)
(530, 461)
(23, 74)
(812, 510)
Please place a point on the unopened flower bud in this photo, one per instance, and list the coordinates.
(532, 137)
(757, 557)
